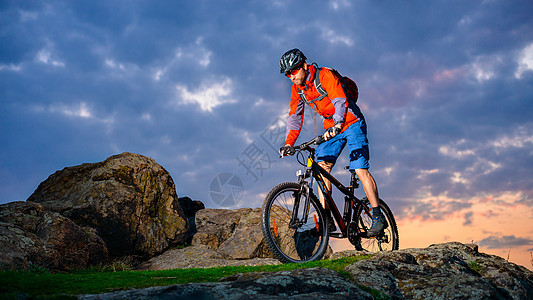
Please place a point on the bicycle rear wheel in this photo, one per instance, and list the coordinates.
(293, 241)
(388, 240)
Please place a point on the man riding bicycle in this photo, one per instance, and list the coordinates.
(343, 121)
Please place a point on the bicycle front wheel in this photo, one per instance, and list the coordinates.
(388, 240)
(297, 239)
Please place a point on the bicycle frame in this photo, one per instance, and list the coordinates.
(315, 171)
(296, 226)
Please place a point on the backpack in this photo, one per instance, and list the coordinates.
(348, 85)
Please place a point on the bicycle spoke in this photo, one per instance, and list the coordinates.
(385, 241)
(293, 240)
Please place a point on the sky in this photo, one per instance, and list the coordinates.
(446, 88)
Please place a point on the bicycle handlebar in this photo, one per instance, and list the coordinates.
(305, 146)
(317, 141)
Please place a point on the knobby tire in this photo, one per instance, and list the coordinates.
(388, 240)
(306, 243)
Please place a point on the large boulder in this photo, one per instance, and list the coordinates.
(214, 226)
(33, 237)
(20, 250)
(129, 200)
(236, 233)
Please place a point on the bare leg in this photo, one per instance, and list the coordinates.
(369, 185)
(330, 223)
(326, 166)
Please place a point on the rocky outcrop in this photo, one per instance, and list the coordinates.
(80, 216)
(190, 207)
(199, 257)
(33, 237)
(223, 237)
(235, 233)
(215, 226)
(128, 199)
(443, 271)
(127, 204)
(315, 283)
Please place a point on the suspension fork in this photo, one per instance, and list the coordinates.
(304, 190)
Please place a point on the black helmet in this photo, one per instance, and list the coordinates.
(290, 60)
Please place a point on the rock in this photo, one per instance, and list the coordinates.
(237, 233)
(214, 226)
(246, 241)
(31, 236)
(72, 247)
(348, 253)
(222, 238)
(315, 283)
(190, 208)
(20, 250)
(129, 200)
(444, 271)
(25, 215)
(199, 257)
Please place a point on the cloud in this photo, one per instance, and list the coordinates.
(190, 56)
(76, 111)
(521, 137)
(45, 56)
(434, 208)
(468, 218)
(504, 242)
(333, 37)
(525, 61)
(11, 67)
(207, 95)
(484, 68)
(444, 88)
(340, 4)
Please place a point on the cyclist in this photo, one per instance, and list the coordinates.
(344, 124)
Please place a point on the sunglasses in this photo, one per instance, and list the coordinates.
(293, 71)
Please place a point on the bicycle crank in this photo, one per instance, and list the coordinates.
(354, 235)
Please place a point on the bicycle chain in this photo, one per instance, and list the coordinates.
(353, 234)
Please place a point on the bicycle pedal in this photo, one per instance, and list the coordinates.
(338, 235)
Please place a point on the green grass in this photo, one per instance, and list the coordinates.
(475, 266)
(40, 282)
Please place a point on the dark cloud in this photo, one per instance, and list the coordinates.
(435, 209)
(504, 242)
(447, 113)
(468, 218)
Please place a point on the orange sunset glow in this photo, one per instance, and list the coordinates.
(498, 224)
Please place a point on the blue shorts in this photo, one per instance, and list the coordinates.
(355, 136)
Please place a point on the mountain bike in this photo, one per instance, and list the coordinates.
(294, 223)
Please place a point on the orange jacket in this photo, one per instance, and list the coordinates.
(334, 108)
